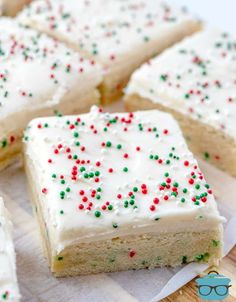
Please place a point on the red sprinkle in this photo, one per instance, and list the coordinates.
(132, 253)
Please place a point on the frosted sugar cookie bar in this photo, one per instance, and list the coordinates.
(120, 35)
(8, 281)
(12, 7)
(38, 76)
(119, 191)
(195, 80)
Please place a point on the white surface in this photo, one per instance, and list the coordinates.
(217, 13)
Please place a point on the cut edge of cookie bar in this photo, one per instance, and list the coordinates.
(113, 84)
(11, 146)
(202, 139)
(8, 287)
(154, 250)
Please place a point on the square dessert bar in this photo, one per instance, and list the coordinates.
(8, 282)
(120, 35)
(12, 7)
(195, 80)
(39, 76)
(119, 191)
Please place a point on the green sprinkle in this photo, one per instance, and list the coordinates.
(125, 169)
(108, 144)
(5, 295)
(97, 214)
(215, 243)
(186, 96)
(4, 143)
(110, 207)
(184, 259)
(163, 77)
(132, 202)
(112, 259)
(202, 257)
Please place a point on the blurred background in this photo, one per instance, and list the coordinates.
(218, 13)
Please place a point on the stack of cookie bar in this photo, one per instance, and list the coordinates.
(117, 191)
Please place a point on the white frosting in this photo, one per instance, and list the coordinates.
(112, 32)
(8, 282)
(37, 72)
(196, 77)
(58, 171)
